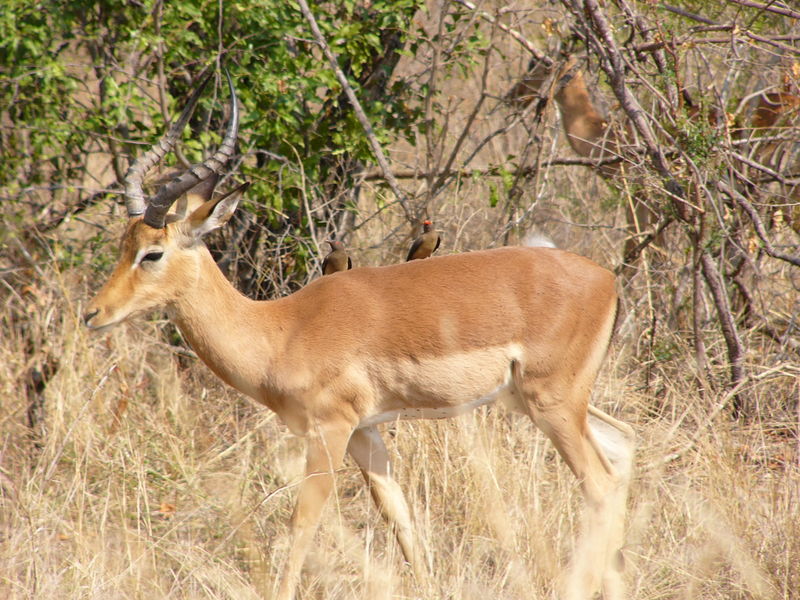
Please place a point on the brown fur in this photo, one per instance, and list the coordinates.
(775, 106)
(588, 133)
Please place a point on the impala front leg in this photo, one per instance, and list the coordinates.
(324, 454)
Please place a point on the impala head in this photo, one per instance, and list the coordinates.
(559, 78)
(776, 108)
(160, 252)
(530, 87)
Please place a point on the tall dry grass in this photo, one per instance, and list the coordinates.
(145, 477)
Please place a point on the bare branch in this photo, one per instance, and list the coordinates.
(773, 40)
(598, 31)
(359, 111)
(512, 32)
(772, 7)
(377, 174)
(727, 323)
(440, 182)
(685, 13)
(760, 167)
(633, 253)
(757, 225)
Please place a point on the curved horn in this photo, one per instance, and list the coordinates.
(134, 197)
(157, 208)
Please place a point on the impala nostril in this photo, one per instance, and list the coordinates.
(90, 315)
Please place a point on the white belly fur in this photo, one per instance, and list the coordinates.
(440, 388)
(444, 412)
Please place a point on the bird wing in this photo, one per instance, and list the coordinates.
(414, 247)
(349, 263)
(438, 241)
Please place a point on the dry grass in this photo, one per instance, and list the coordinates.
(149, 479)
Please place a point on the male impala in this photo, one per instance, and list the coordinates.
(426, 339)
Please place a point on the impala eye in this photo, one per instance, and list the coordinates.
(152, 256)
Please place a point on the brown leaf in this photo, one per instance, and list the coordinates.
(166, 510)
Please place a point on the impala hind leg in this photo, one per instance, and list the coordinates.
(599, 452)
(597, 560)
(616, 441)
(368, 450)
(324, 454)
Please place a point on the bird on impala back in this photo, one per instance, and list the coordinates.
(426, 244)
(337, 259)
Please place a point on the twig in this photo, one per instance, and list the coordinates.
(727, 323)
(512, 32)
(32, 261)
(772, 40)
(771, 7)
(359, 111)
(464, 131)
(433, 155)
(760, 167)
(599, 34)
(307, 207)
(685, 13)
(639, 24)
(757, 225)
(633, 254)
(374, 175)
(700, 356)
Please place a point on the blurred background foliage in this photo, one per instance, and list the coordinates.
(88, 78)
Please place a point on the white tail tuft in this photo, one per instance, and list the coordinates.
(538, 240)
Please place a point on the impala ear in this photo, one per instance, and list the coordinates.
(202, 192)
(215, 213)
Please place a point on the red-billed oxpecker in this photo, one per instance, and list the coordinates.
(426, 244)
(337, 259)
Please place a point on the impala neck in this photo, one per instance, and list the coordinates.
(574, 99)
(218, 322)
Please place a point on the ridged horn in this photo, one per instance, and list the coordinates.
(157, 208)
(134, 196)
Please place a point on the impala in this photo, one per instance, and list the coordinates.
(425, 339)
(588, 133)
(780, 110)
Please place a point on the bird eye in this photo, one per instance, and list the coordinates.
(152, 256)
